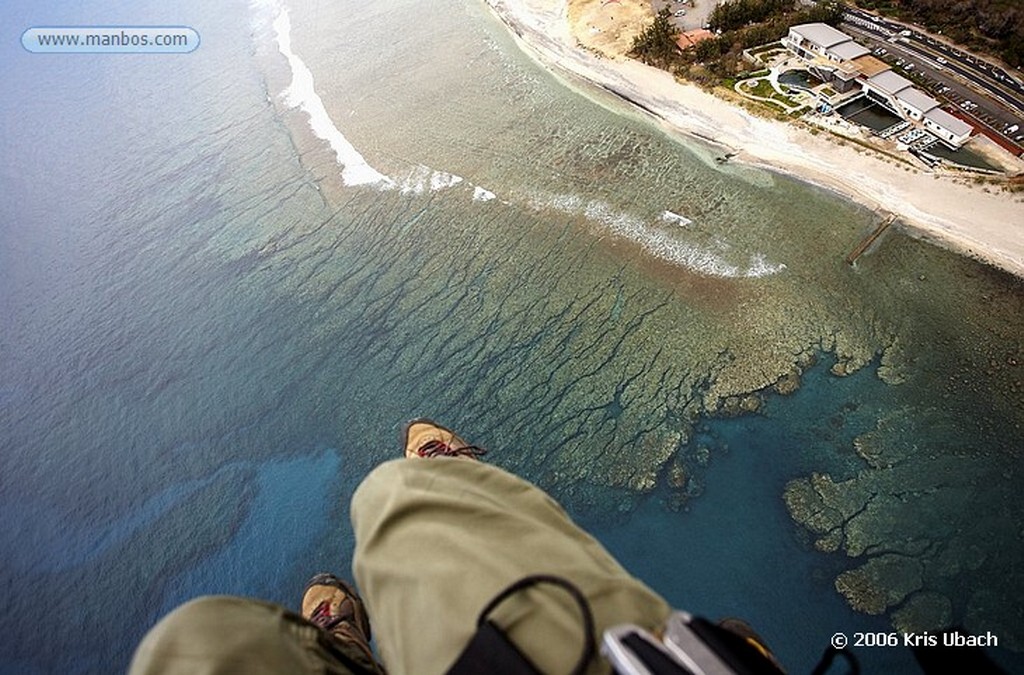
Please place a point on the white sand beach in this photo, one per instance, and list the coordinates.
(987, 224)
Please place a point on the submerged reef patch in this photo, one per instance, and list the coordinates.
(924, 523)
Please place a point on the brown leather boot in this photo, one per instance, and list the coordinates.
(425, 438)
(334, 606)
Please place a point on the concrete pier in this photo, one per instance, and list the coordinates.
(867, 242)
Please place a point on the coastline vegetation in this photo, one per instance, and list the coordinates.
(740, 24)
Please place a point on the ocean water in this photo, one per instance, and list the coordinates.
(228, 277)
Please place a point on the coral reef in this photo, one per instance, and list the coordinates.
(920, 521)
(880, 583)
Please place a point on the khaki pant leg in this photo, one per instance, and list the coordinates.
(436, 539)
(221, 635)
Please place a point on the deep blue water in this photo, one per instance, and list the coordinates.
(201, 354)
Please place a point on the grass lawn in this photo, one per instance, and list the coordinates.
(764, 89)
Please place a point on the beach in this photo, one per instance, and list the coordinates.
(980, 221)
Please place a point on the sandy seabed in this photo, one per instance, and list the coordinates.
(985, 224)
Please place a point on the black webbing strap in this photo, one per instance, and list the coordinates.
(830, 654)
(491, 652)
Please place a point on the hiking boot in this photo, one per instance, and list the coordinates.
(425, 438)
(334, 606)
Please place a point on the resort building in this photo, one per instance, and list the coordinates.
(847, 66)
(915, 104)
(884, 87)
(810, 40)
(844, 76)
(950, 129)
(849, 75)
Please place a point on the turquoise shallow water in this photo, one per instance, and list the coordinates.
(207, 339)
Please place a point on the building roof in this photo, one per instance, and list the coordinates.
(954, 125)
(846, 71)
(821, 34)
(869, 65)
(917, 99)
(691, 37)
(848, 50)
(889, 82)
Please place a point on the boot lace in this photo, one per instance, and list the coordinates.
(442, 449)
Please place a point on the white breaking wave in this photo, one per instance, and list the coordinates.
(423, 178)
(656, 241)
(439, 180)
(482, 195)
(301, 93)
(760, 267)
(675, 218)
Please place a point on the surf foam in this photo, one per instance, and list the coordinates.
(301, 93)
(658, 242)
(482, 195)
(423, 178)
(675, 219)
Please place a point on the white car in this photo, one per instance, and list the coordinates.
(681, 12)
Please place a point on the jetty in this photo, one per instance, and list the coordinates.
(869, 240)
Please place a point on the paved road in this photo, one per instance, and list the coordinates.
(985, 91)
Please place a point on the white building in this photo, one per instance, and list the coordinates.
(834, 55)
(899, 95)
(914, 103)
(821, 40)
(950, 129)
(885, 87)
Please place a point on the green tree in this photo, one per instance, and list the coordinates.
(656, 45)
(710, 49)
(738, 13)
(830, 12)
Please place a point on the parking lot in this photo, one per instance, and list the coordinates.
(942, 83)
(696, 12)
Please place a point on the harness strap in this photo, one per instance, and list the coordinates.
(490, 651)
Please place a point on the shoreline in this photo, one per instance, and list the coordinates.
(985, 226)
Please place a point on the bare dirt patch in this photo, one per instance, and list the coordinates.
(609, 26)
